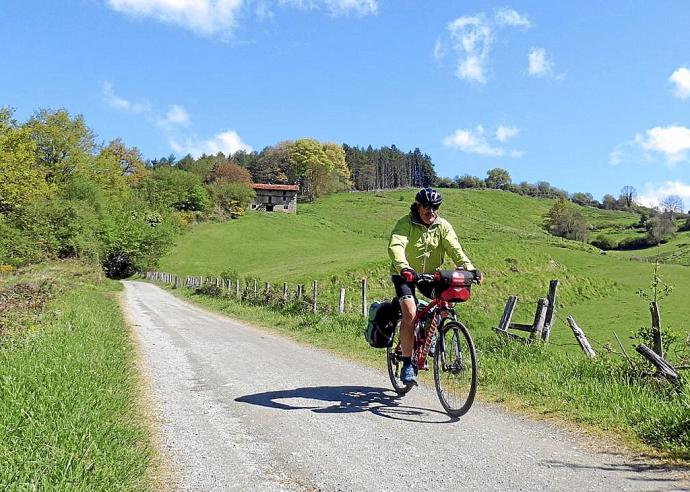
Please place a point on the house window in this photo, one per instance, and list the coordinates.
(285, 207)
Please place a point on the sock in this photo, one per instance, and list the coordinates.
(407, 361)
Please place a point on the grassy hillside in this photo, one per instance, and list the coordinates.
(343, 237)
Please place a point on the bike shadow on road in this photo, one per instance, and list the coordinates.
(346, 399)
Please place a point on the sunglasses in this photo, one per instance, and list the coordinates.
(432, 207)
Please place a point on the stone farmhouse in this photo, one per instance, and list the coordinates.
(275, 198)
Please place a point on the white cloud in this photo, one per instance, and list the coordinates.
(681, 79)
(654, 193)
(206, 17)
(227, 142)
(477, 141)
(117, 102)
(220, 17)
(672, 141)
(503, 133)
(175, 116)
(357, 7)
(539, 63)
(171, 124)
(469, 38)
(509, 17)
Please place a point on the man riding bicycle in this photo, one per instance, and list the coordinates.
(418, 244)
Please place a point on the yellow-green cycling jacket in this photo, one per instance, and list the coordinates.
(423, 248)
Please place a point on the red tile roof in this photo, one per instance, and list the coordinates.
(264, 186)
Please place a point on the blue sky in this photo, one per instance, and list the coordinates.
(590, 96)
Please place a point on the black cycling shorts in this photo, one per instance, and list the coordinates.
(403, 289)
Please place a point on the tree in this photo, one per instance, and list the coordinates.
(20, 178)
(584, 199)
(169, 187)
(673, 205)
(628, 196)
(63, 143)
(336, 154)
(497, 178)
(564, 221)
(469, 181)
(311, 167)
(609, 202)
(229, 172)
(660, 228)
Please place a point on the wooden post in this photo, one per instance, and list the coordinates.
(177, 281)
(267, 287)
(285, 290)
(539, 319)
(581, 338)
(256, 287)
(237, 288)
(300, 288)
(364, 297)
(656, 329)
(341, 301)
(662, 367)
(507, 314)
(550, 310)
(315, 288)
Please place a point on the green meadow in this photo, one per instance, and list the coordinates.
(343, 237)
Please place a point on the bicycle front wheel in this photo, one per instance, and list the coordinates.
(394, 361)
(455, 368)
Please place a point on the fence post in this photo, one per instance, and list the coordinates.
(662, 367)
(341, 301)
(539, 319)
(237, 288)
(507, 314)
(299, 291)
(256, 288)
(581, 338)
(364, 296)
(285, 291)
(315, 286)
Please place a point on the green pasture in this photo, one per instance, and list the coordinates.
(341, 238)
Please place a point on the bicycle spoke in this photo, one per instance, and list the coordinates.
(455, 371)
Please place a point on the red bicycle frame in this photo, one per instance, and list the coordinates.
(422, 345)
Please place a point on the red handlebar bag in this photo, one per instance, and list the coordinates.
(453, 285)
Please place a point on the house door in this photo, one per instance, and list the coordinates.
(269, 207)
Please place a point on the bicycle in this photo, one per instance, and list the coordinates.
(439, 334)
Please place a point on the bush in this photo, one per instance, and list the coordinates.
(17, 248)
(133, 238)
(604, 242)
(232, 198)
(634, 243)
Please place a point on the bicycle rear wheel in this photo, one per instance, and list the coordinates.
(394, 362)
(455, 368)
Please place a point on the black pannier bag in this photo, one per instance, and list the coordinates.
(383, 318)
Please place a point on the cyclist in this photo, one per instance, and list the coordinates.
(418, 244)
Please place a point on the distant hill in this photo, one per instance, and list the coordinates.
(343, 237)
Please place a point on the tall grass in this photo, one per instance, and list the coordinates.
(69, 417)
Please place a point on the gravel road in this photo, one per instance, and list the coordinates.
(239, 408)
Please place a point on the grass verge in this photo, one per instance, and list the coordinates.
(70, 416)
(604, 394)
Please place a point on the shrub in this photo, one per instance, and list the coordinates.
(564, 221)
(628, 243)
(17, 248)
(604, 242)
